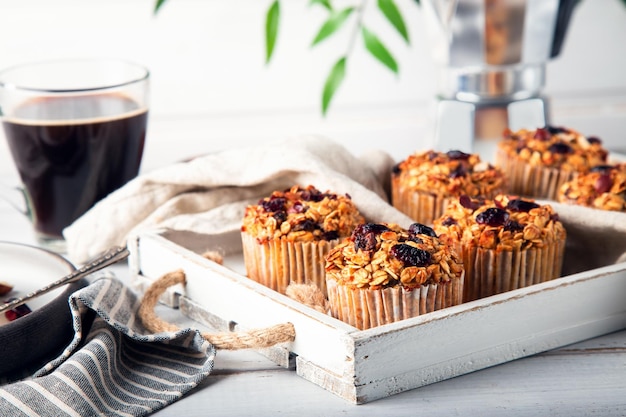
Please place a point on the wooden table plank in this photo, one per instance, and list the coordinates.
(584, 379)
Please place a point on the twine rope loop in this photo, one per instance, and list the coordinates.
(255, 338)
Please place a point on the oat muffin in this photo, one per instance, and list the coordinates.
(603, 187)
(286, 235)
(383, 273)
(423, 184)
(505, 243)
(538, 162)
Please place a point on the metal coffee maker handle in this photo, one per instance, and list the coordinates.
(491, 58)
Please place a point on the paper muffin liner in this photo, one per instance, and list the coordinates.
(489, 272)
(366, 308)
(422, 207)
(278, 263)
(532, 180)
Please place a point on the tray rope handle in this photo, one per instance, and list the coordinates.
(255, 338)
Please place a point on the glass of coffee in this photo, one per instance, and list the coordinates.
(76, 131)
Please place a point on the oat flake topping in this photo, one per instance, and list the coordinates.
(301, 215)
(553, 146)
(604, 187)
(449, 174)
(504, 223)
(381, 255)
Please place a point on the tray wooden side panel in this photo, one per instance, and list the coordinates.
(319, 338)
(280, 354)
(491, 331)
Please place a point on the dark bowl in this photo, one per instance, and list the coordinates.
(31, 341)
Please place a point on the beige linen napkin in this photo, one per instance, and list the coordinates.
(208, 194)
(595, 238)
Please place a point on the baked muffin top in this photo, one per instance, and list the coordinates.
(451, 173)
(504, 223)
(603, 187)
(552, 146)
(301, 215)
(382, 255)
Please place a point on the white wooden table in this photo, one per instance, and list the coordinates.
(588, 378)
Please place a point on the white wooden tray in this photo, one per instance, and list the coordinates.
(362, 366)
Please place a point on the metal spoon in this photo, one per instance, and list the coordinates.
(109, 257)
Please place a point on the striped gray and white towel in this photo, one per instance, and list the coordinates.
(117, 368)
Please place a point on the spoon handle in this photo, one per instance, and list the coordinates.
(109, 257)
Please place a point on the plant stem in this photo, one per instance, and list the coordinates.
(359, 19)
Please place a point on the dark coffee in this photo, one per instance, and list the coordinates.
(69, 156)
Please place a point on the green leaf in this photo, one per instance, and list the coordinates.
(334, 80)
(332, 24)
(325, 3)
(391, 12)
(271, 29)
(158, 5)
(418, 2)
(380, 52)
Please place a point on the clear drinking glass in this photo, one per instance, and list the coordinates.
(76, 131)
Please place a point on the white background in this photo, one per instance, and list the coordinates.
(212, 89)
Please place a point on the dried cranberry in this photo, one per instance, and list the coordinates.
(421, 229)
(560, 148)
(602, 168)
(513, 226)
(468, 203)
(521, 205)
(542, 134)
(298, 207)
(459, 171)
(280, 216)
(449, 221)
(603, 184)
(556, 129)
(376, 228)
(456, 154)
(493, 217)
(415, 239)
(273, 204)
(396, 169)
(594, 139)
(411, 256)
(364, 235)
(307, 225)
(17, 312)
(365, 242)
(11, 315)
(311, 195)
(330, 235)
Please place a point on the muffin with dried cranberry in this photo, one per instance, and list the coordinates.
(383, 273)
(423, 184)
(505, 243)
(287, 234)
(603, 187)
(538, 162)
